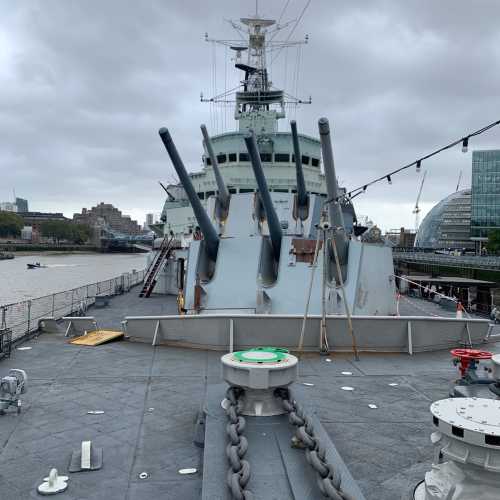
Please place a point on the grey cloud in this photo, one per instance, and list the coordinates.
(85, 85)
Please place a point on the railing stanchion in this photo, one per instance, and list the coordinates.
(29, 317)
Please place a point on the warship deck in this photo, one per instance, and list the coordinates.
(151, 395)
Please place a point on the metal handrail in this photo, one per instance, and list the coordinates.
(22, 317)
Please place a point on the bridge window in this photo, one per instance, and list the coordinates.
(209, 162)
(201, 196)
(266, 157)
(221, 158)
(209, 193)
(305, 160)
(232, 190)
(243, 190)
(281, 158)
(315, 162)
(244, 157)
(232, 156)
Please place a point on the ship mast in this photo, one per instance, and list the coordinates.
(258, 105)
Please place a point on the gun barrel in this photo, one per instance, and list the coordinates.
(171, 197)
(335, 212)
(334, 207)
(272, 219)
(209, 233)
(301, 185)
(221, 186)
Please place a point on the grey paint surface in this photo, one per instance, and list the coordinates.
(373, 333)
(387, 450)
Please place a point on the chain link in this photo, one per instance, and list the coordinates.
(238, 473)
(327, 476)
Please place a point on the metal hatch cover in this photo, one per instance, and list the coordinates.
(261, 355)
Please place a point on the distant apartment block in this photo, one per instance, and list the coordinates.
(111, 216)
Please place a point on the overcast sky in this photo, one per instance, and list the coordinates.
(85, 85)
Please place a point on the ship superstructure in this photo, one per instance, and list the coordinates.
(258, 106)
(276, 232)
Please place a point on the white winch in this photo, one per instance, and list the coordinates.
(467, 451)
(259, 371)
(11, 388)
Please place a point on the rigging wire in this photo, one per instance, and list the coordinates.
(286, 68)
(299, 57)
(225, 87)
(212, 122)
(417, 163)
(215, 88)
(293, 28)
(283, 11)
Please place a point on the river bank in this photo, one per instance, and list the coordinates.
(43, 247)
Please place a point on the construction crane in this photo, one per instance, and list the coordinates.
(459, 179)
(416, 210)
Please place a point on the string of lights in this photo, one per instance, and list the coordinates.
(417, 164)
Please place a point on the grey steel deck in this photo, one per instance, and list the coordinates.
(387, 449)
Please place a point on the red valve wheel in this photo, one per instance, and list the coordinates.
(465, 356)
(471, 354)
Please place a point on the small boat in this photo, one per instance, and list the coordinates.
(6, 256)
(35, 265)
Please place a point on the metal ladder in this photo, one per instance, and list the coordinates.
(154, 268)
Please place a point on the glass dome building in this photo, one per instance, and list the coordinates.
(447, 225)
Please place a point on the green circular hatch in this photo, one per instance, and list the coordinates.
(262, 355)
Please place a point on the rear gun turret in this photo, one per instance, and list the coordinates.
(273, 223)
(209, 233)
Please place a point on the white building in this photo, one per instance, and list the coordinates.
(8, 206)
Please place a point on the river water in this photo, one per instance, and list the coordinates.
(63, 272)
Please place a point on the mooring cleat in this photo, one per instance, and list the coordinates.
(53, 484)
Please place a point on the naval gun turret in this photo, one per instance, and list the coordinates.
(211, 239)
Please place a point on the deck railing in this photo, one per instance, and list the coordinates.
(22, 317)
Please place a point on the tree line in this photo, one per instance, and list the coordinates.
(12, 224)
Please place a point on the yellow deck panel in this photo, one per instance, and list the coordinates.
(97, 337)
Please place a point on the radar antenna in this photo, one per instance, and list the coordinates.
(458, 182)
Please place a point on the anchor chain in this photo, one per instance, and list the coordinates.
(328, 477)
(238, 473)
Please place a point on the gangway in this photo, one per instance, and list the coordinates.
(154, 268)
